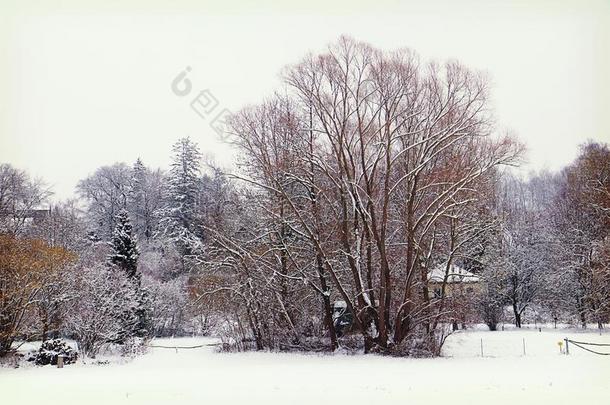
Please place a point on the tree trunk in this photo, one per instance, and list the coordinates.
(5, 346)
(45, 330)
(517, 319)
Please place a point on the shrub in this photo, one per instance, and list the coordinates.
(50, 350)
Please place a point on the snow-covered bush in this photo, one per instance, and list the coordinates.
(169, 300)
(50, 350)
(133, 347)
(490, 305)
(105, 311)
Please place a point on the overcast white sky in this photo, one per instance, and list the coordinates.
(84, 86)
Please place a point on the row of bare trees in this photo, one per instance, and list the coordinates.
(582, 223)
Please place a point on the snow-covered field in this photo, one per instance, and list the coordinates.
(202, 376)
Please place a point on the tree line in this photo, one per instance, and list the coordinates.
(368, 173)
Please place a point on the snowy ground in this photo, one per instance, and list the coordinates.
(201, 376)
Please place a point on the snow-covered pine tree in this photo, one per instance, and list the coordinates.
(138, 199)
(179, 218)
(124, 257)
(125, 251)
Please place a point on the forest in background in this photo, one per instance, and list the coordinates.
(370, 170)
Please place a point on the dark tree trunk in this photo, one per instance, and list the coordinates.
(5, 346)
(45, 331)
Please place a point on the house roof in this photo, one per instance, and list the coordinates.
(456, 274)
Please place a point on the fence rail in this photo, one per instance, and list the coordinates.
(184, 347)
(581, 345)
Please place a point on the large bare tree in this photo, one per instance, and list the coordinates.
(364, 157)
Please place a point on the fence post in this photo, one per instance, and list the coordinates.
(567, 348)
(481, 347)
(524, 346)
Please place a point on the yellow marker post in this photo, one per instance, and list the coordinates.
(560, 343)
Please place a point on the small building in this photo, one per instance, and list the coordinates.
(452, 277)
(460, 287)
